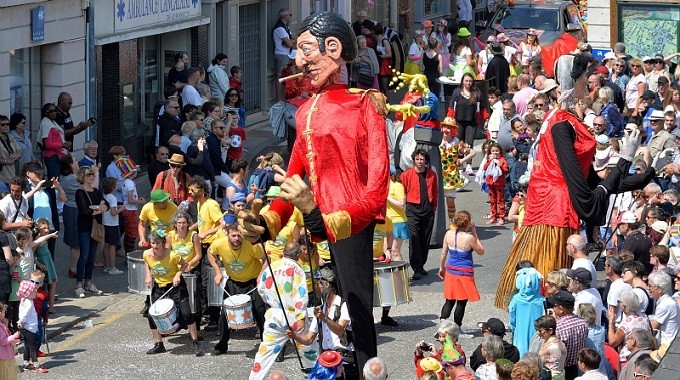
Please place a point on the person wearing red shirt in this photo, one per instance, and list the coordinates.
(422, 189)
(237, 135)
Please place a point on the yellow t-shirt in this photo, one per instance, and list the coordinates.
(163, 270)
(209, 217)
(184, 248)
(158, 219)
(275, 248)
(242, 264)
(379, 234)
(394, 213)
(324, 250)
(308, 273)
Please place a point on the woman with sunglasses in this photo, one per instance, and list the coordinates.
(19, 129)
(619, 76)
(233, 99)
(658, 70)
(635, 87)
(91, 205)
(51, 140)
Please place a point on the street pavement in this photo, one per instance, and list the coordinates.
(105, 337)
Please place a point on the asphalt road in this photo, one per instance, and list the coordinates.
(114, 347)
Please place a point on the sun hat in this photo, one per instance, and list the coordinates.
(443, 22)
(647, 58)
(626, 217)
(177, 159)
(237, 197)
(229, 219)
(496, 48)
(562, 298)
(657, 355)
(430, 364)
(464, 32)
(501, 37)
(330, 359)
(158, 196)
(548, 85)
(532, 32)
(657, 115)
(26, 287)
(449, 121)
(126, 166)
(491, 38)
(273, 192)
(427, 23)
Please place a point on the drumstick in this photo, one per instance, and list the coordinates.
(291, 77)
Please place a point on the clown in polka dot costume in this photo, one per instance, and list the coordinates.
(292, 286)
(454, 154)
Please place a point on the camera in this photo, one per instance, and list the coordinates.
(92, 121)
(426, 346)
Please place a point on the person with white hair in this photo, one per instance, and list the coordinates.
(375, 369)
(492, 350)
(632, 320)
(666, 317)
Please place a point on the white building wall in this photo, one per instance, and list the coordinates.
(599, 21)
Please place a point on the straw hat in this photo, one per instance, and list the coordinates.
(177, 159)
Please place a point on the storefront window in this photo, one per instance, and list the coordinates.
(649, 30)
(19, 71)
(151, 85)
(128, 111)
(431, 7)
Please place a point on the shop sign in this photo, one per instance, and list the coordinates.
(132, 14)
(599, 53)
(38, 24)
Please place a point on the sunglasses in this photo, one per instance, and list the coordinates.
(233, 95)
(636, 374)
(4, 124)
(89, 174)
(618, 65)
(634, 65)
(51, 111)
(598, 125)
(539, 104)
(175, 166)
(219, 127)
(39, 283)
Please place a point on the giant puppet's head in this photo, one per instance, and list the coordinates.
(326, 43)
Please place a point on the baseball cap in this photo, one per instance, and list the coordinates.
(562, 298)
(648, 94)
(660, 226)
(602, 70)
(495, 326)
(662, 80)
(581, 275)
(548, 85)
(609, 55)
(626, 217)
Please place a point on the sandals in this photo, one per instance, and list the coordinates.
(40, 370)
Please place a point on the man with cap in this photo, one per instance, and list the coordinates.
(174, 181)
(571, 330)
(493, 326)
(579, 286)
(498, 70)
(635, 241)
(288, 310)
(156, 214)
(644, 111)
(661, 139)
(208, 224)
(237, 203)
(243, 262)
(604, 73)
(663, 86)
(333, 317)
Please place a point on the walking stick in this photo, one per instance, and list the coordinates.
(278, 295)
(308, 243)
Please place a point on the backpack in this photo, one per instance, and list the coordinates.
(650, 301)
(263, 178)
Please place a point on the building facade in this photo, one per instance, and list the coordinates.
(42, 53)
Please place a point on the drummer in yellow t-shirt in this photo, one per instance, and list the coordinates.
(243, 263)
(209, 226)
(157, 214)
(167, 267)
(396, 213)
(382, 237)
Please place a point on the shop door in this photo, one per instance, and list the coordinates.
(250, 49)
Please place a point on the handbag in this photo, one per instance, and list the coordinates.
(366, 76)
(97, 233)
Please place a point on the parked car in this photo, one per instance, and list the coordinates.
(551, 18)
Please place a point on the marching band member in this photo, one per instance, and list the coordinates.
(167, 268)
(243, 263)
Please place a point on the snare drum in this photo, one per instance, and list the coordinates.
(137, 273)
(164, 314)
(239, 311)
(190, 280)
(391, 284)
(216, 292)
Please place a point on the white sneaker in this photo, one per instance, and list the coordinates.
(80, 292)
(93, 289)
(114, 271)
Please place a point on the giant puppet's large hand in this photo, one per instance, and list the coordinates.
(296, 191)
(249, 222)
(629, 144)
(408, 110)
